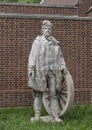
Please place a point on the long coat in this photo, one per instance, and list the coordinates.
(45, 54)
(38, 54)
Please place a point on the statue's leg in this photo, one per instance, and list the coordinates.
(59, 79)
(54, 105)
(37, 104)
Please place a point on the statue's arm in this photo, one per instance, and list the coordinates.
(32, 59)
(63, 64)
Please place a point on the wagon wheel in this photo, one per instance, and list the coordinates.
(65, 96)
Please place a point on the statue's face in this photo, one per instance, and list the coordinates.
(47, 31)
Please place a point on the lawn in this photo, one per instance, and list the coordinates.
(78, 118)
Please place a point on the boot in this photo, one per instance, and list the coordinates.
(37, 117)
(57, 119)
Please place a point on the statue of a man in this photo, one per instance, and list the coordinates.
(45, 67)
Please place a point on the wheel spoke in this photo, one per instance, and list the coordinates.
(64, 98)
(64, 88)
(64, 92)
(61, 103)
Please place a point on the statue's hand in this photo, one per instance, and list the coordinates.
(31, 71)
(64, 70)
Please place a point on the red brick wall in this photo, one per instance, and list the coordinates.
(89, 12)
(81, 10)
(38, 9)
(84, 5)
(16, 37)
(89, 15)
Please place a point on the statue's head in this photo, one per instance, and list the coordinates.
(47, 28)
(47, 23)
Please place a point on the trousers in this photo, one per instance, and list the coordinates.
(53, 79)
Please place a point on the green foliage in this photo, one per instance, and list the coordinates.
(22, 1)
(8, 0)
(29, 1)
(78, 118)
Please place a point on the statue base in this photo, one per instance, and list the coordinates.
(44, 119)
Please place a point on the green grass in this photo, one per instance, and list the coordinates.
(78, 118)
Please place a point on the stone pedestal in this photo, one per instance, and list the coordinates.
(44, 119)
